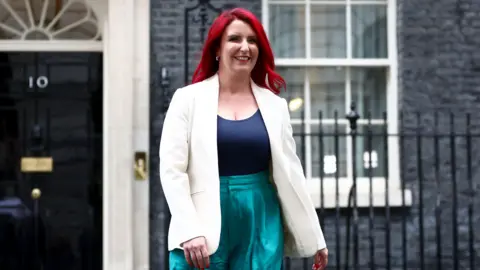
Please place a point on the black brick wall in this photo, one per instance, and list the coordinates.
(439, 64)
(439, 68)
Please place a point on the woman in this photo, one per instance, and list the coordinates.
(229, 171)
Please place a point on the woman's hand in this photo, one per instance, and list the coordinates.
(196, 252)
(320, 260)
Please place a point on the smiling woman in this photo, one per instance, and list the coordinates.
(209, 63)
(234, 163)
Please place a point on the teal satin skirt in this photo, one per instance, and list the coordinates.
(252, 234)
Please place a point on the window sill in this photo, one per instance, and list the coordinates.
(379, 193)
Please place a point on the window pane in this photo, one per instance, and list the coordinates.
(327, 160)
(287, 30)
(377, 150)
(327, 91)
(369, 88)
(329, 31)
(369, 31)
(295, 79)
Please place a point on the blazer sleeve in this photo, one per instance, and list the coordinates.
(174, 156)
(297, 175)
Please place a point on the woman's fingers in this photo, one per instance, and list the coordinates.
(196, 253)
(321, 260)
(187, 257)
(206, 258)
(198, 258)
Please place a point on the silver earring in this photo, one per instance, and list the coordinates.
(216, 58)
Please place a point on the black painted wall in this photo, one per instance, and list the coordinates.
(439, 60)
(439, 70)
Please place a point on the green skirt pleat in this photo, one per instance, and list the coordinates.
(252, 234)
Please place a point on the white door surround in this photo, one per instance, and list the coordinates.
(126, 110)
(123, 37)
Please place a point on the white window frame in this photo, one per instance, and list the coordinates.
(391, 63)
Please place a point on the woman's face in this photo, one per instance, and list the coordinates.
(238, 51)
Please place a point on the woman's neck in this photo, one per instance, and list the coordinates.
(233, 83)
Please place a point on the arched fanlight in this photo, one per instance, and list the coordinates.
(48, 20)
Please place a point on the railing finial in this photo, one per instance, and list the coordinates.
(353, 117)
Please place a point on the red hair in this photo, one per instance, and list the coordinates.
(264, 69)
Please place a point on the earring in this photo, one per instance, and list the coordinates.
(216, 58)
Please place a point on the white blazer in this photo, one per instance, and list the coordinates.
(190, 178)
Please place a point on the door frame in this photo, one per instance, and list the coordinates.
(73, 46)
(50, 46)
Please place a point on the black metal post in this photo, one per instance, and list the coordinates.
(453, 170)
(371, 214)
(438, 206)
(337, 189)
(471, 199)
(420, 192)
(404, 215)
(353, 117)
(387, 193)
(167, 93)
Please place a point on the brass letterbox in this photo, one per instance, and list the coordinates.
(36, 164)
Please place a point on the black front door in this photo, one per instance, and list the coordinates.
(50, 161)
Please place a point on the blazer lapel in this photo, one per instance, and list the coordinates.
(208, 111)
(266, 106)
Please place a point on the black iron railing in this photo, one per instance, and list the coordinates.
(433, 228)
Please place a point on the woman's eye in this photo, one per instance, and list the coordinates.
(234, 38)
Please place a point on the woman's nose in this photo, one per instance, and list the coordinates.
(244, 46)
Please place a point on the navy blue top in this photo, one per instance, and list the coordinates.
(243, 145)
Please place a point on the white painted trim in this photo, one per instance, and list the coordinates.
(50, 46)
(341, 121)
(369, 2)
(348, 30)
(327, 2)
(392, 95)
(332, 62)
(265, 17)
(141, 132)
(118, 229)
(308, 30)
(106, 133)
(363, 192)
(286, 2)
